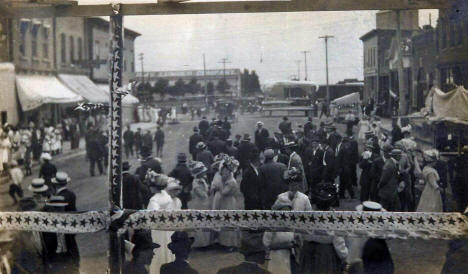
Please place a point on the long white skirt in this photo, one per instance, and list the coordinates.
(163, 254)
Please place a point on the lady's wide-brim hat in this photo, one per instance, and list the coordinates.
(61, 178)
(57, 201)
(156, 179)
(292, 175)
(173, 184)
(38, 185)
(197, 169)
(201, 145)
(46, 156)
(369, 206)
(431, 155)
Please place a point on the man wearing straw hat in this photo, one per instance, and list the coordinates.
(61, 250)
(40, 191)
(60, 181)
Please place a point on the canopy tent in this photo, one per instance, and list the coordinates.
(452, 105)
(36, 90)
(349, 99)
(126, 100)
(83, 86)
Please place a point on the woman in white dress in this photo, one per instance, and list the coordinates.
(160, 201)
(279, 244)
(431, 200)
(199, 200)
(5, 147)
(224, 189)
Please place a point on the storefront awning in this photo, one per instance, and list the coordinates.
(36, 90)
(82, 85)
(126, 100)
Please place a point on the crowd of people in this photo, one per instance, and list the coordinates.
(27, 143)
(308, 168)
(311, 167)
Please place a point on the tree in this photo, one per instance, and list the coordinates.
(223, 86)
(254, 83)
(210, 88)
(160, 87)
(179, 87)
(245, 81)
(193, 87)
(144, 91)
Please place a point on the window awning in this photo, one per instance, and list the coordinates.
(82, 85)
(36, 90)
(126, 100)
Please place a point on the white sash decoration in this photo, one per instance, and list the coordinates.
(341, 223)
(91, 221)
(401, 225)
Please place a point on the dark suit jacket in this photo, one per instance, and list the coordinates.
(203, 126)
(206, 157)
(70, 198)
(177, 268)
(329, 170)
(245, 150)
(388, 184)
(193, 141)
(134, 192)
(47, 172)
(128, 137)
(244, 268)
(271, 182)
(261, 138)
(182, 173)
(313, 165)
(217, 146)
(251, 188)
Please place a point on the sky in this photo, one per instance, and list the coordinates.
(269, 43)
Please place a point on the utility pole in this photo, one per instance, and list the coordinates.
(142, 67)
(305, 63)
(326, 37)
(298, 69)
(204, 77)
(224, 61)
(401, 81)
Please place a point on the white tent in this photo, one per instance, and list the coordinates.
(349, 99)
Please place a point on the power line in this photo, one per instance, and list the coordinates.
(305, 63)
(224, 61)
(141, 57)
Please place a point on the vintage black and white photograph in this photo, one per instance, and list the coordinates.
(233, 136)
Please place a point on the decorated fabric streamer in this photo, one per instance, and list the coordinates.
(86, 222)
(90, 106)
(341, 223)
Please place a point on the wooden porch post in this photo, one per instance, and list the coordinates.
(115, 133)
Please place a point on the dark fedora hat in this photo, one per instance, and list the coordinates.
(180, 241)
(126, 166)
(142, 240)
